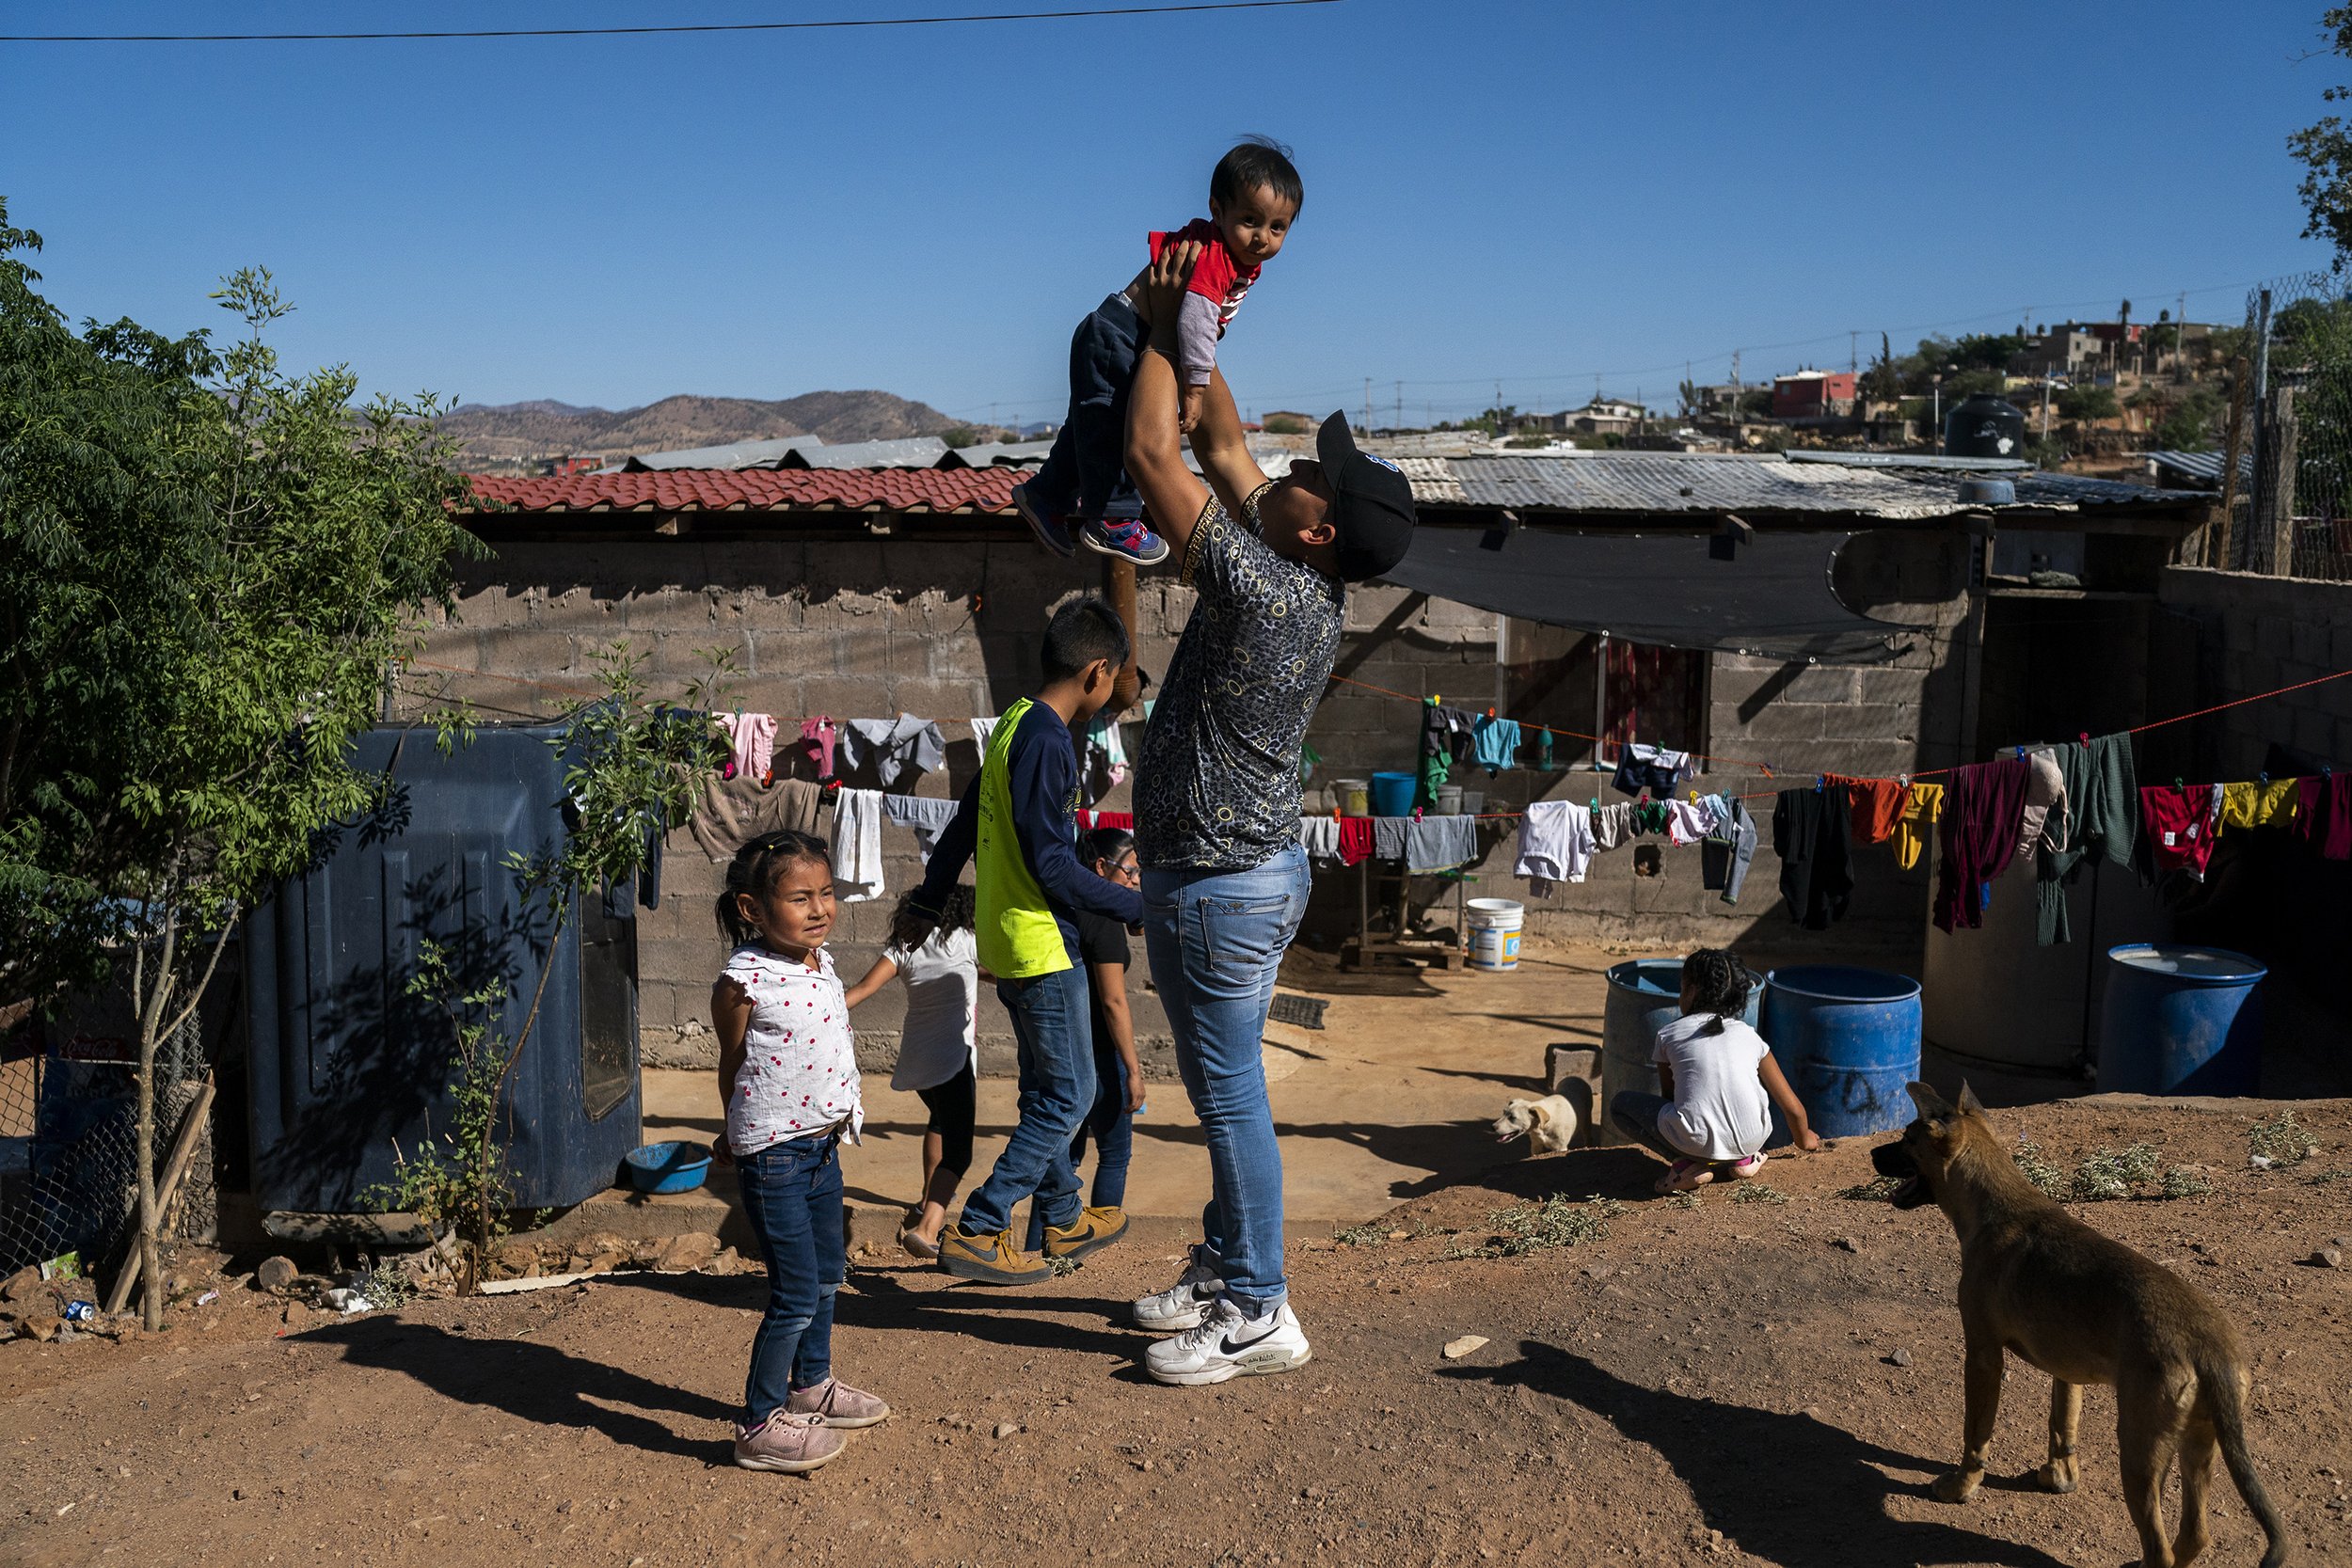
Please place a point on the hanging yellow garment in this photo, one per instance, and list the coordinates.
(2258, 806)
(1921, 809)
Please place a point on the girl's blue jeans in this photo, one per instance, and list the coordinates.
(792, 1197)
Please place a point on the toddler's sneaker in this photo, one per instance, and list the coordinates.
(1093, 1229)
(1685, 1175)
(1051, 530)
(787, 1442)
(1185, 1303)
(1125, 539)
(1225, 1344)
(834, 1403)
(990, 1259)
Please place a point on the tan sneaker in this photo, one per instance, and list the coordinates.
(836, 1405)
(1093, 1229)
(990, 1259)
(788, 1442)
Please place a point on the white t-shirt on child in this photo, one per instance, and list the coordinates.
(800, 1062)
(1720, 1109)
(942, 980)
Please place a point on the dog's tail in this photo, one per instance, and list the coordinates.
(2224, 1387)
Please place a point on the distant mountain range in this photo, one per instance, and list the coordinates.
(514, 433)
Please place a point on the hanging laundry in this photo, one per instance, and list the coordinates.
(1652, 768)
(1555, 844)
(2041, 822)
(1355, 840)
(1876, 806)
(1922, 804)
(1440, 843)
(927, 814)
(1106, 765)
(1613, 825)
(752, 744)
(1445, 736)
(1495, 742)
(1651, 817)
(1122, 820)
(1982, 808)
(1388, 836)
(1811, 833)
(1309, 760)
(817, 738)
(2267, 803)
(1724, 853)
(857, 859)
(2180, 821)
(1320, 837)
(895, 746)
(738, 810)
(2322, 814)
(2103, 791)
(981, 730)
(1687, 821)
(1543, 750)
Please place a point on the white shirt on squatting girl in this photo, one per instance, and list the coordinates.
(800, 1060)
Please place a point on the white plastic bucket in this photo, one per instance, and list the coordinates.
(1352, 796)
(1494, 933)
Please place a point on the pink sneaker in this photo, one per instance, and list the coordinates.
(1743, 1169)
(1685, 1175)
(1126, 539)
(836, 1405)
(794, 1444)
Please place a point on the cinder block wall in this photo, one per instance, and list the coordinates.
(2259, 634)
(946, 627)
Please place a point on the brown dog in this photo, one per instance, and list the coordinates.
(2084, 1308)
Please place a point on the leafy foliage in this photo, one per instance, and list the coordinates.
(2324, 150)
(1557, 1222)
(2088, 403)
(2282, 1141)
(2107, 1174)
(2039, 1169)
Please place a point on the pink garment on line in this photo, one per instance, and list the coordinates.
(754, 736)
(817, 735)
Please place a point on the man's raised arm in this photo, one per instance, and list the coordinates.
(1155, 457)
(1217, 441)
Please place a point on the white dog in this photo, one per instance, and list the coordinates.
(1547, 1124)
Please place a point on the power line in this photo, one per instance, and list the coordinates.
(642, 31)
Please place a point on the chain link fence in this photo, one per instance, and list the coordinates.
(68, 1137)
(2286, 469)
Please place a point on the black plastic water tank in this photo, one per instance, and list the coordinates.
(1983, 425)
(345, 1064)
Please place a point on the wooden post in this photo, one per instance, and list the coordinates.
(1119, 586)
(2274, 487)
(2233, 452)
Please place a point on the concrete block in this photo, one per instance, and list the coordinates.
(1776, 721)
(494, 607)
(947, 701)
(2340, 646)
(669, 609)
(1891, 686)
(2315, 734)
(2274, 636)
(2310, 642)
(847, 696)
(845, 566)
(1872, 721)
(523, 651)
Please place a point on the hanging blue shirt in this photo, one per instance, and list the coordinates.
(1495, 742)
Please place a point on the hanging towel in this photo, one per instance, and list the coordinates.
(1922, 804)
(1724, 853)
(1440, 843)
(752, 740)
(1388, 836)
(895, 746)
(1320, 837)
(857, 860)
(981, 730)
(2043, 822)
(928, 816)
(1982, 808)
(2103, 792)
(1811, 834)
(817, 739)
(1651, 767)
(738, 810)
(1877, 805)
(2322, 815)
(1613, 825)
(2180, 821)
(1687, 821)
(1495, 742)
(2267, 804)
(1355, 839)
(1555, 844)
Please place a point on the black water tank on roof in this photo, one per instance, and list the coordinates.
(1984, 426)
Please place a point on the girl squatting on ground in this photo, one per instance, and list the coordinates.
(1720, 1084)
(788, 1084)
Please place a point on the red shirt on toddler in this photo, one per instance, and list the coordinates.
(1210, 298)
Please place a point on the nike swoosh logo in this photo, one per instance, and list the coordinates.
(1227, 1346)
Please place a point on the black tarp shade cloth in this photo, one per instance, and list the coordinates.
(1769, 595)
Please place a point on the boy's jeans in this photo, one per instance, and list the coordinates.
(1114, 1133)
(1215, 941)
(1085, 476)
(792, 1197)
(1053, 1024)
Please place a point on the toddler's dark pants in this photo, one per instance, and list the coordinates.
(1085, 476)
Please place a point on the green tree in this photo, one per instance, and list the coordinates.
(2088, 403)
(2194, 423)
(2324, 150)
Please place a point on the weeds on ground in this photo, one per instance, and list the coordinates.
(1682, 1201)
(385, 1285)
(2185, 1181)
(1757, 1192)
(1557, 1222)
(2107, 1174)
(2039, 1169)
(2283, 1142)
(1879, 1189)
(1371, 1233)
(2323, 1178)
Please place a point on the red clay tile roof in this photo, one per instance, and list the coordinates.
(987, 490)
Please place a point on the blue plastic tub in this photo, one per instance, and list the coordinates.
(2181, 1021)
(1644, 995)
(670, 1166)
(1849, 1040)
(1392, 794)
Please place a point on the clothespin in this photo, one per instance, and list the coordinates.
(2084, 735)
(1768, 771)
(1490, 713)
(2266, 776)
(1904, 779)
(1416, 813)
(1694, 796)
(2177, 783)
(1433, 699)
(1820, 783)
(2021, 753)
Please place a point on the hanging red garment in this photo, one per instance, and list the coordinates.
(1355, 839)
(2180, 821)
(2323, 815)
(1876, 805)
(1983, 805)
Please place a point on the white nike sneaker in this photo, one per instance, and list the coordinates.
(1226, 1344)
(1183, 1303)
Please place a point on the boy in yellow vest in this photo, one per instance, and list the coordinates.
(1018, 823)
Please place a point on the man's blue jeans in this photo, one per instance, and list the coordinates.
(1052, 1025)
(1215, 941)
(792, 1197)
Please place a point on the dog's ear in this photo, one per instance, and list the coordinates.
(1969, 1104)
(1932, 1106)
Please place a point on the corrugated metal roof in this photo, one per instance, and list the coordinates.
(2202, 466)
(1909, 460)
(997, 452)
(735, 454)
(916, 452)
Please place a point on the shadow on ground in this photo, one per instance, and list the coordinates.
(1788, 1488)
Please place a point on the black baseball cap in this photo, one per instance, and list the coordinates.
(1372, 504)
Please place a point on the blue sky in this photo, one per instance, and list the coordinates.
(1496, 192)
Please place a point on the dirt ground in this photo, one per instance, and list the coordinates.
(1738, 1380)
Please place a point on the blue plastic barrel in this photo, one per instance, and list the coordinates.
(2181, 1021)
(1644, 995)
(1392, 794)
(1849, 1040)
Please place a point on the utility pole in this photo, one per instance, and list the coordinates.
(1735, 441)
(1367, 405)
(1400, 405)
(2180, 339)
(1853, 353)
